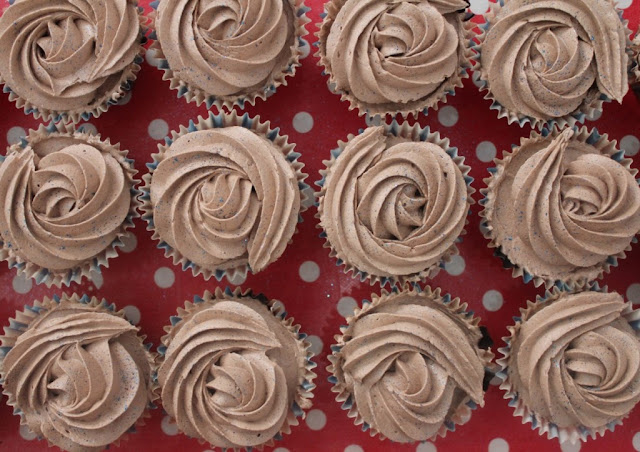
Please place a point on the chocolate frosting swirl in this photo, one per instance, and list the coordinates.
(64, 200)
(66, 55)
(568, 206)
(543, 59)
(409, 365)
(80, 376)
(224, 198)
(391, 53)
(392, 206)
(576, 362)
(230, 374)
(227, 48)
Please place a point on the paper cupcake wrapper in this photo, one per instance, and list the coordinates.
(20, 323)
(302, 400)
(590, 107)
(194, 94)
(456, 309)
(93, 265)
(416, 133)
(573, 435)
(218, 121)
(331, 9)
(127, 79)
(581, 277)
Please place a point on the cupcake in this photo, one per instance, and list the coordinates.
(76, 372)
(634, 78)
(410, 365)
(562, 206)
(572, 363)
(235, 372)
(394, 57)
(552, 62)
(67, 198)
(231, 53)
(224, 196)
(393, 202)
(64, 60)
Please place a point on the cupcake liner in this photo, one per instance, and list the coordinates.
(92, 266)
(20, 323)
(577, 434)
(199, 96)
(591, 106)
(331, 9)
(221, 120)
(127, 79)
(455, 308)
(416, 133)
(304, 394)
(591, 137)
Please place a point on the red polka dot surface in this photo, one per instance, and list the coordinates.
(313, 288)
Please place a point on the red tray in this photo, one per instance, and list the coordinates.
(315, 291)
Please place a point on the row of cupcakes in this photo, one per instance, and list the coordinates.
(540, 63)
(234, 371)
(223, 196)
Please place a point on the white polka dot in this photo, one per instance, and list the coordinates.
(26, 433)
(310, 198)
(309, 271)
(426, 447)
(455, 266)
(316, 345)
(169, 427)
(316, 420)
(164, 277)
(130, 242)
(448, 116)
(498, 445)
(486, 151)
(96, 278)
(158, 129)
(633, 293)
(21, 284)
(14, 134)
(479, 6)
(353, 448)
(305, 48)
(124, 100)
(151, 58)
(495, 381)
(303, 122)
(280, 449)
(630, 144)
(237, 279)
(623, 4)
(89, 128)
(570, 447)
(492, 300)
(132, 313)
(636, 441)
(346, 306)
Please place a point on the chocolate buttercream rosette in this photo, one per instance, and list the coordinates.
(68, 198)
(77, 373)
(393, 202)
(571, 366)
(235, 371)
(562, 207)
(572, 54)
(394, 57)
(224, 195)
(228, 53)
(411, 365)
(66, 61)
